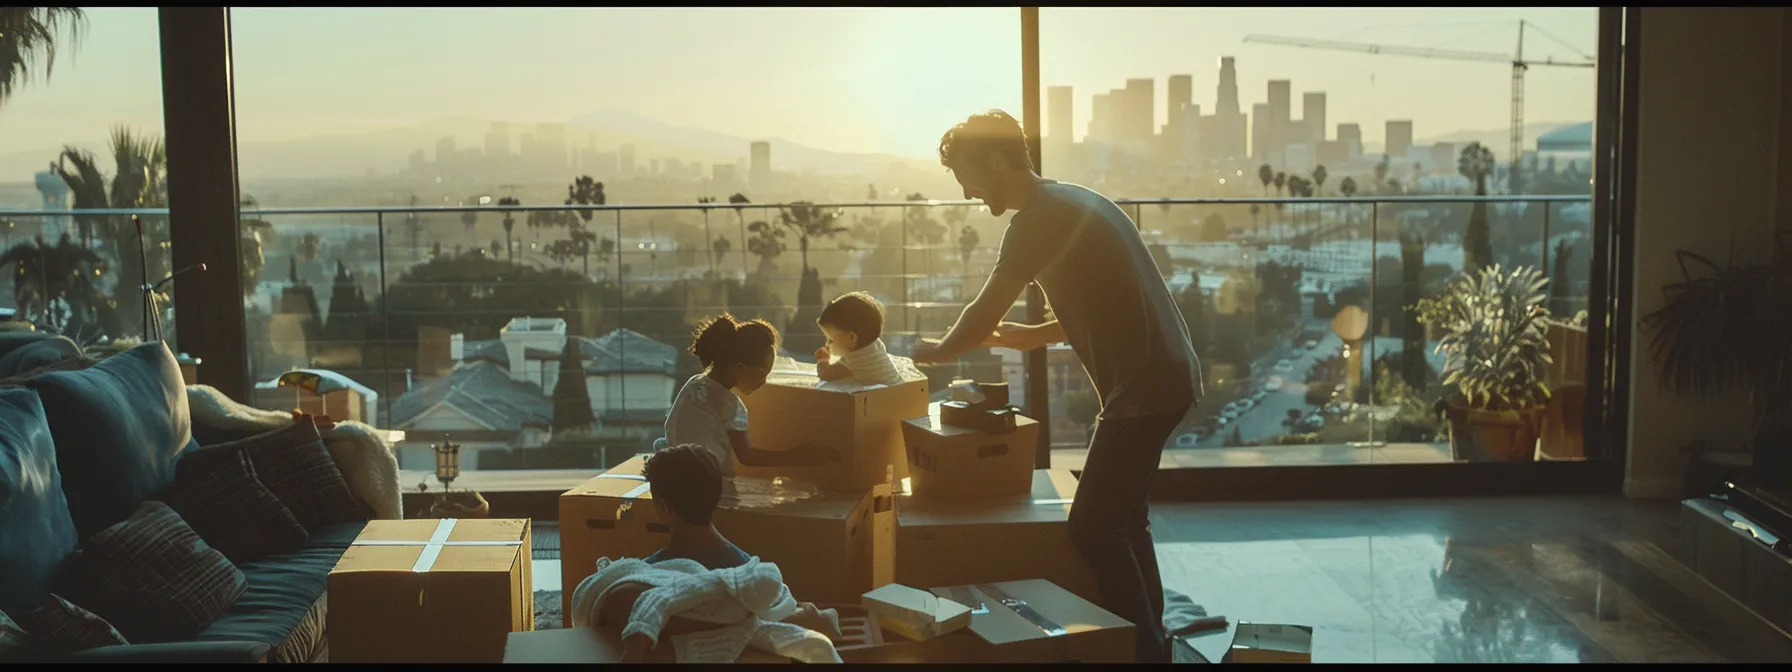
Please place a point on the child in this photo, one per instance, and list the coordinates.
(686, 482)
(736, 356)
(853, 324)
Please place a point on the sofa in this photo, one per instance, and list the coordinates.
(279, 616)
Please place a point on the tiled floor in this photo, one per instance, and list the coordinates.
(1522, 579)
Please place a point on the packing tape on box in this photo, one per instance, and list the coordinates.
(1024, 610)
(628, 477)
(433, 547)
(625, 510)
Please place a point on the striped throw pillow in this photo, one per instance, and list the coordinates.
(59, 628)
(153, 578)
(294, 465)
(216, 492)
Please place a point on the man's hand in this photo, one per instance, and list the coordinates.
(926, 352)
(822, 356)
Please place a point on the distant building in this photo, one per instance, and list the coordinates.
(1261, 124)
(760, 153)
(1332, 153)
(1312, 117)
(497, 144)
(1139, 115)
(499, 395)
(1280, 114)
(1399, 139)
(55, 194)
(725, 173)
(1443, 157)
(1568, 146)
(1060, 132)
(1351, 135)
(625, 161)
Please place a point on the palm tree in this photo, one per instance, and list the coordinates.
(1381, 172)
(1348, 188)
(767, 242)
(509, 223)
(740, 219)
(413, 229)
(137, 184)
(810, 221)
(30, 34)
(721, 246)
(1280, 180)
(921, 226)
(52, 285)
(470, 219)
(706, 200)
(1319, 175)
(967, 243)
(583, 191)
(1476, 163)
(1267, 175)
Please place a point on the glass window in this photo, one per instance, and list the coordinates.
(81, 129)
(1304, 310)
(448, 130)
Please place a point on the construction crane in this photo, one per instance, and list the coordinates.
(1516, 60)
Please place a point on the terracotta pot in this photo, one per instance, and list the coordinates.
(460, 505)
(1493, 436)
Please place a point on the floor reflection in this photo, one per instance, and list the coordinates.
(1511, 580)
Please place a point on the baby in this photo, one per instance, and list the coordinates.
(853, 324)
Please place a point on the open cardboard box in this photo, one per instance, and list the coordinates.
(961, 465)
(1003, 539)
(864, 423)
(1270, 643)
(830, 546)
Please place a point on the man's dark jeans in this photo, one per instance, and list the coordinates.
(1110, 523)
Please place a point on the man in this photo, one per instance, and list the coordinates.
(1113, 308)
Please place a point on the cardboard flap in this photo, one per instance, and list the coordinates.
(1031, 609)
(915, 613)
(1296, 639)
(1054, 490)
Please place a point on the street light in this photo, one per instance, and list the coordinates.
(447, 462)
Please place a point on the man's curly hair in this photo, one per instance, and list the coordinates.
(974, 139)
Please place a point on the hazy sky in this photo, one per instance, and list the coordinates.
(871, 80)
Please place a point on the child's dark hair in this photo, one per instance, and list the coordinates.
(723, 340)
(856, 312)
(687, 478)
(985, 133)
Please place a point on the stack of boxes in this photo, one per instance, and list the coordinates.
(913, 500)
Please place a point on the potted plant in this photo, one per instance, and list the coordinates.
(1496, 351)
(1732, 327)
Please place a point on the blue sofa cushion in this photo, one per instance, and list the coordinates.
(153, 577)
(36, 532)
(216, 492)
(36, 353)
(119, 427)
(283, 589)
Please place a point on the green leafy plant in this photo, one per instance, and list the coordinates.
(1730, 326)
(1496, 341)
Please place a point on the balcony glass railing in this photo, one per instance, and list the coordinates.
(453, 322)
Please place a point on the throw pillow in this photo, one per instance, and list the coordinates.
(59, 628)
(153, 577)
(119, 427)
(13, 642)
(36, 532)
(294, 464)
(216, 492)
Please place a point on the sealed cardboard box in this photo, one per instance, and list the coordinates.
(864, 423)
(610, 516)
(961, 465)
(431, 591)
(1003, 539)
(1034, 621)
(830, 546)
(1269, 643)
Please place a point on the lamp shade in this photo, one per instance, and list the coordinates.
(447, 461)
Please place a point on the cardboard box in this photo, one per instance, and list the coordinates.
(1034, 621)
(831, 547)
(914, 613)
(961, 465)
(610, 516)
(1267, 643)
(596, 645)
(1004, 539)
(431, 591)
(794, 408)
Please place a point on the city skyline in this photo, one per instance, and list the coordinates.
(967, 67)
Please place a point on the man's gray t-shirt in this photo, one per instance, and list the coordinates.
(1109, 296)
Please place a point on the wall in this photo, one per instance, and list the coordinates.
(1708, 171)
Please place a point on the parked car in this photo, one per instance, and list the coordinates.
(1259, 396)
(1313, 423)
(1285, 366)
(1187, 440)
(1229, 414)
(1274, 384)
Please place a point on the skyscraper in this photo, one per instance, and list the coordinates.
(761, 154)
(1312, 116)
(1058, 126)
(1280, 116)
(497, 145)
(625, 160)
(1399, 140)
(1177, 126)
(1182, 94)
(1140, 117)
(1261, 124)
(1101, 118)
(1227, 102)
(1351, 136)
